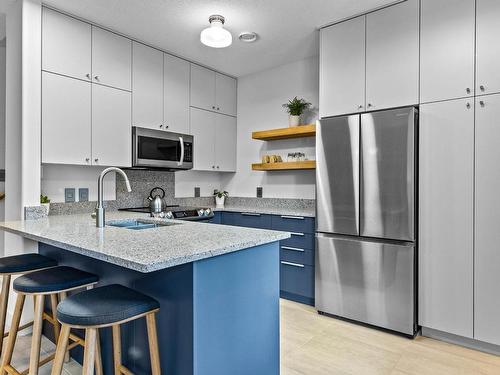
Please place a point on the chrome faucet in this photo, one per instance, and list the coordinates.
(99, 210)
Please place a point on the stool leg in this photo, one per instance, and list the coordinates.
(153, 344)
(61, 350)
(90, 349)
(117, 349)
(37, 334)
(53, 306)
(62, 296)
(4, 300)
(11, 341)
(98, 359)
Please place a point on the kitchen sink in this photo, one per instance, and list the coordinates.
(137, 224)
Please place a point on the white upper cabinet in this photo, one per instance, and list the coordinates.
(446, 197)
(487, 236)
(202, 88)
(447, 49)
(111, 59)
(147, 86)
(176, 94)
(111, 127)
(66, 45)
(392, 56)
(225, 143)
(66, 119)
(342, 68)
(487, 47)
(225, 94)
(203, 131)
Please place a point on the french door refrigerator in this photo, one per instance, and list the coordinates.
(366, 252)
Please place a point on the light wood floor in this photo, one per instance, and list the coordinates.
(313, 344)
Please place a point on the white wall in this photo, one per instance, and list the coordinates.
(186, 181)
(55, 178)
(260, 99)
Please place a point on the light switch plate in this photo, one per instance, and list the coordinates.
(259, 191)
(69, 195)
(83, 194)
(196, 192)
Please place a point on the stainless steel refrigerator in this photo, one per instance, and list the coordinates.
(365, 224)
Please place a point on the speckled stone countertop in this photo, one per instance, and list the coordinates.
(141, 250)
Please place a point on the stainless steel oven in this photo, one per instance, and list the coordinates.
(158, 149)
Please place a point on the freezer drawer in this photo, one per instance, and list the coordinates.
(337, 175)
(387, 195)
(366, 281)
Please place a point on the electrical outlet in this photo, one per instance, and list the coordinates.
(259, 191)
(83, 195)
(69, 195)
(197, 192)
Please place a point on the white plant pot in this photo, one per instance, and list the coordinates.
(293, 120)
(219, 202)
(47, 207)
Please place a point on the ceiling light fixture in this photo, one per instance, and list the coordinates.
(248, 36)
(216, 36)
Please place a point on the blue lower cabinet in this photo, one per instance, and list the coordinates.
(217, 219)
(300, 240)
(296, 254)
(297, 282)
(251, 220)
(290, 223)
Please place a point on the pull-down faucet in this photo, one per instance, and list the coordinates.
(99, 210)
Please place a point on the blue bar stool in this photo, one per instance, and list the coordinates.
(18, 265)
(107, 306)
(48, 282)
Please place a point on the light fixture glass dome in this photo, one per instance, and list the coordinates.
(216, 36)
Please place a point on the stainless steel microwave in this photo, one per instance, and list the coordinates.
(158, 149)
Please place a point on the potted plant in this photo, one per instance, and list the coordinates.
(295, 108)
(220, 197)
(45, 202)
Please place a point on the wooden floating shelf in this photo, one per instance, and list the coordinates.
(307, 164)
(286, 133)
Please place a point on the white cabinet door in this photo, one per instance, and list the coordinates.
(447, 49)
(176, 94)
(66, 119)
(203, 131)
(342, 68)
(202, 88)
(147, 86)
(487, 254)
(225, 143)
(487, 47)
(392, 56)
(446, 216)
(66, 45)
(111, 127)
(225, 94)
(111, 59)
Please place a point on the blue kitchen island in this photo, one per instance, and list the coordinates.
(218, 288)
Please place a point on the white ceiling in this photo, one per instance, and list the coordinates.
(287, 28)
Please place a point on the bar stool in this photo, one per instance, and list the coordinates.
(48, 282)
(18, 265)
(106, 306)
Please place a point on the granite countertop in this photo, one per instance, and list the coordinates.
(141, 250)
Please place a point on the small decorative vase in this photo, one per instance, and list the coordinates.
(293, 120)
(219, 202)
(47, 207)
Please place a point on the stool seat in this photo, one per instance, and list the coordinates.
(104, 306)
(25, 263)
(54, 279)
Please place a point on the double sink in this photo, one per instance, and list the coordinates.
(135, 224)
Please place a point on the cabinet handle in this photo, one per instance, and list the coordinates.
(87, 75)
(161, 126)
(482, 103)
(292, 248)
(166, 126)
(482, 88)
(292, 264)
(292, 217)
(96, 78)
(87, 159)
(369, 105)
(213, 166)
(217, 167)
(96, 160)
(250, 214)
(218, 108)
(468, 105)
(213, 107)
(360, 106)
(297, 234)
(467, 90)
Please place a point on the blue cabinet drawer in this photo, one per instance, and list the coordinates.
(250, 220)
(296, 255)
(217, 219)
(301, 240)
(288, 223)
(297, 278)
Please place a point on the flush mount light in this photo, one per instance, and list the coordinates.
(216, 36)
(248, 36)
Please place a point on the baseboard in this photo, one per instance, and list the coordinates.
(460, 340)
(297, 298)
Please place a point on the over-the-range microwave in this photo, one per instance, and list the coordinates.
(158, 149)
